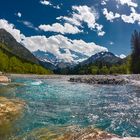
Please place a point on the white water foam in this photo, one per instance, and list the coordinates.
(37, 83)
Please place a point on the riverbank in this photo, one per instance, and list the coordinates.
(89, 79)
(107, 79)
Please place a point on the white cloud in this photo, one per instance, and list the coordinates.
(130, 3)
(11, 29)
(127, 19)
(28, 24)
(57, 7)
(110, 15)
(132, 18)
(18, 14)
(101, 33)
(111, 43)
(54, 43)
(45, 2)
(104, 2)
(48, 3)
(57, 27)
(84, 14)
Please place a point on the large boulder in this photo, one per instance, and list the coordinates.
(4, 79)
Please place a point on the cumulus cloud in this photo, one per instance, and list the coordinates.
(110, 15)
(84, 14)
(18, 14)
(11, 29)
(53, 44)
(132, 18)
(63, 29)
(130, 3)
(48, 3)
(45, 2)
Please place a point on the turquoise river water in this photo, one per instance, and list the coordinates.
(57, 102)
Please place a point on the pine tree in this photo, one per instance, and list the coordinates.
(135, 57)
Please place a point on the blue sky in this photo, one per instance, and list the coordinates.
(107, 23)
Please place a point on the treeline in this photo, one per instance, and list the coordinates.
(12, 64)
(135, 56)
(97, 70)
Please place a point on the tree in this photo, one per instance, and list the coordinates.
(104, 70)
(135, 57)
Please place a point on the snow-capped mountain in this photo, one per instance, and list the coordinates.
(106, 57)
(55, 62)
(51, 58)
(45, 56)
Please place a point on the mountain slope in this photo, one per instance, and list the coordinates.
(46, 59)
(15, 48)
(100, 63)
(14, 64)
(102, 57)
(53, 59)
(15, 58)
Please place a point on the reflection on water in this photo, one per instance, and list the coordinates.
(57, 102)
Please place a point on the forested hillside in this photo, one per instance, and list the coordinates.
(11, 63)
(101, 66)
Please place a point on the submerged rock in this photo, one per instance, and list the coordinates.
(70, 133)
(10, 110)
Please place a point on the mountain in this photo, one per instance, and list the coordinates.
(15, 58)
(54, 62)
(46, 59)
(15, 48)
(45, 56)
(102, 57)
(99, 63)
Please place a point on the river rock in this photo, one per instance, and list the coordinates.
(64, 134)
(102, 79)
(71, 133)
(4, 79)
(10, 109)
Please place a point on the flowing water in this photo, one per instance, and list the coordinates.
(57, 102)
